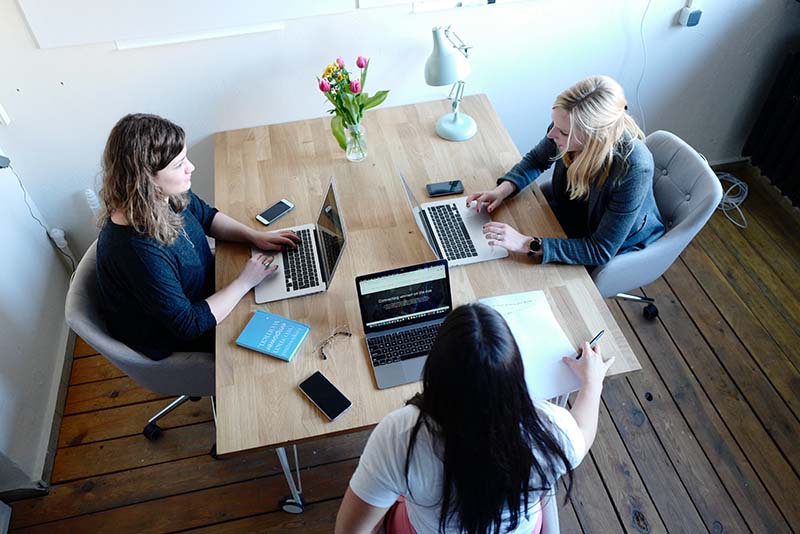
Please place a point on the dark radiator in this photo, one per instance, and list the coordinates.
(774, 142)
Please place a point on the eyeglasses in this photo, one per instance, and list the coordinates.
(338, 331)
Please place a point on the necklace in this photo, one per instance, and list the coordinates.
(186, 236)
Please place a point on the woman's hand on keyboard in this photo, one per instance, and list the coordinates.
(493, 198)
(274, 240)
(257, 268)
(502, 235)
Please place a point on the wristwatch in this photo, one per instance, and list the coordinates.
(535, 246)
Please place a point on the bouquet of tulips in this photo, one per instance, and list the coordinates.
(347, 96)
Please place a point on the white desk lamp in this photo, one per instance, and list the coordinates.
(447, 65)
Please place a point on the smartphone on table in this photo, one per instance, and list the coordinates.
(438, 189)
(275, 212)
(325, 396)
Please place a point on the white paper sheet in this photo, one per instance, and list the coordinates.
(541, 342)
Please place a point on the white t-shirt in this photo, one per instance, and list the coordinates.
(380, 477)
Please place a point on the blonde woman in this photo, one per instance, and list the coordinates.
(155, 270)
(602, 188)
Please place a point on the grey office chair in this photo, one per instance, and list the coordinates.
(188, 375)
(687, 192)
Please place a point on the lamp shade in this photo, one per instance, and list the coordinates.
(446, 65)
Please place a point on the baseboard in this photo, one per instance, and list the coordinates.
(5, 517)
(23, 493)
(58, 416)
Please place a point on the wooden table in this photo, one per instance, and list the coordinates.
(258, 403)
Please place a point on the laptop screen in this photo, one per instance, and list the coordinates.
(421, 218)
(404, 296)
(330, 234)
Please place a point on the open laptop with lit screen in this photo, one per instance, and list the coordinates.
(401, 310)
(309, 268)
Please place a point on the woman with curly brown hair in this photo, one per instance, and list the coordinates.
(155, 269)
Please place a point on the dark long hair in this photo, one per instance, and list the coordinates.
(476, 403)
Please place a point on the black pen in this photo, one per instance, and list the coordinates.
(593, 341)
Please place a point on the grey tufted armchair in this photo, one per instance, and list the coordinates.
(687, 191)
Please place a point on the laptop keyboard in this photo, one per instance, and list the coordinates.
(299, 271)
(452, 231)
(399, 346)
(332, 245)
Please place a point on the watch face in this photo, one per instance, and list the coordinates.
(536, 244)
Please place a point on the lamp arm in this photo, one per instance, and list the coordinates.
(458, 87)
(458, 44)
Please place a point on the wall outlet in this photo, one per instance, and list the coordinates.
(5, 120)
(689, 17)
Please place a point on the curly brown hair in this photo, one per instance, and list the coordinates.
(138, 147)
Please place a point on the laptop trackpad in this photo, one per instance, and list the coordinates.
(413, 368)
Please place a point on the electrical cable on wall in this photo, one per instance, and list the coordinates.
(35, 218)
(644, 67)
(733, 197)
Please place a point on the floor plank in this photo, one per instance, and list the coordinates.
(775, 364)
(82, 349)
(93, 369)
(198, 508)
(110, 393)
(650, 421)
(92, 459)
(716, 440)
(317, 519)
(105, 492)
(129, 420)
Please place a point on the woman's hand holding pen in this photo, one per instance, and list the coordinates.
(591, 368)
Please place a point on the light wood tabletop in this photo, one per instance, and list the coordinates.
(258, 402)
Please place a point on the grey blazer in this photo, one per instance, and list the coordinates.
(619, 217)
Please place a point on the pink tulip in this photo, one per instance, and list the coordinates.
(324, 86)
(361, 62)
(340, 62)
(355, 87)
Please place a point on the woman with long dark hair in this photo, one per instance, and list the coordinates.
(472, 453)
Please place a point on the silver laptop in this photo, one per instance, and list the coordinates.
(454, 231)
(310, 267)
(401, 311)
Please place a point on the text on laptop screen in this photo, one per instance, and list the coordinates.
(412, 296)
(330, 235)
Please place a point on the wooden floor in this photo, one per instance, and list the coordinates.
(704, 438)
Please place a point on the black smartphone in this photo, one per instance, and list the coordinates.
(453, 187)
(325, 396)
(275, 212)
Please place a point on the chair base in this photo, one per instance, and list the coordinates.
(650, 311)
(152, 431)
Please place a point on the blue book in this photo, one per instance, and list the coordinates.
(273, 335)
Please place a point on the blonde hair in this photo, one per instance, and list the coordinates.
(138, 147)
(597, 108)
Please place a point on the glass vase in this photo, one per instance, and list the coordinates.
(356, 143)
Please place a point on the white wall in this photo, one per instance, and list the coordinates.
(704, 83)
(33, 336)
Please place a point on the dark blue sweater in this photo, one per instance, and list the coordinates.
(619, 217)
(153, 296)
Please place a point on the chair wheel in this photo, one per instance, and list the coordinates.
(650, 311)
(213, 452)
(290, 506)
(152, 431)
(195, 399)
